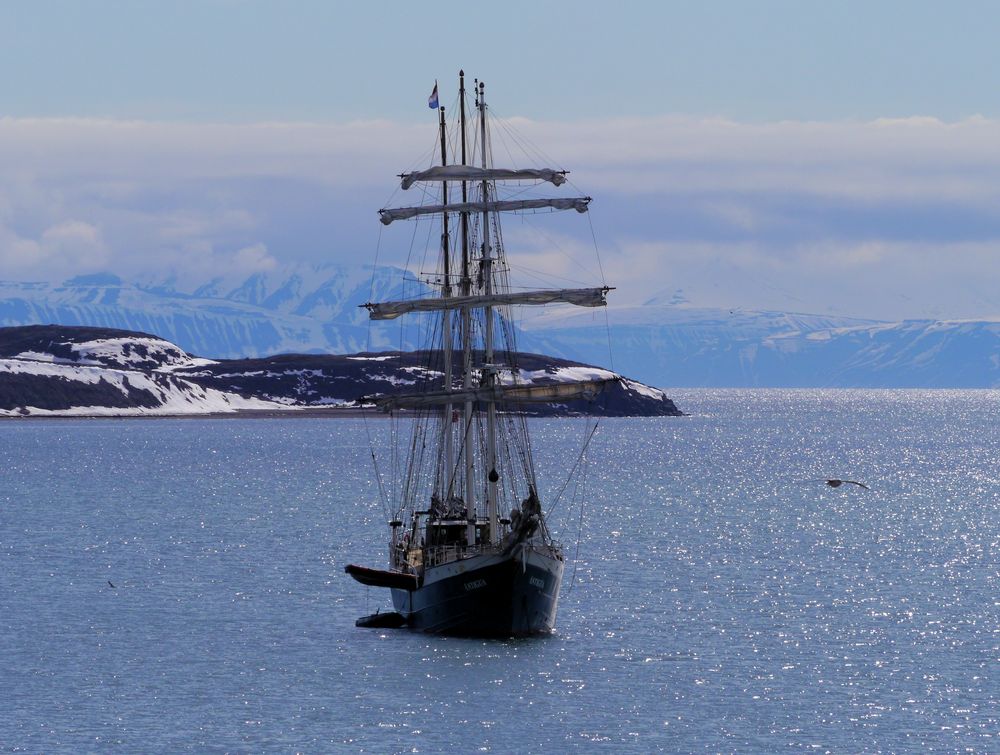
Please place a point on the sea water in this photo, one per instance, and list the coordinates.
(177, 585)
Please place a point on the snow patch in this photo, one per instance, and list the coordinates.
(39, 356)
(136, 351)
(175, 396)
(644, 390)
(560, 375)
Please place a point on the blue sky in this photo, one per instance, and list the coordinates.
(303, 60)
(834, 157)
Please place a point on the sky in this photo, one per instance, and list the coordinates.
(818, 157)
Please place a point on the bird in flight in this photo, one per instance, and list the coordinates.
(835, 483)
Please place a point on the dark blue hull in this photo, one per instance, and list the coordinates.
(486, 596)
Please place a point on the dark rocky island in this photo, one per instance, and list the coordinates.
(54, 370)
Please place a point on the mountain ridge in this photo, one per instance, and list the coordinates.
(668, 341)
(717, 348)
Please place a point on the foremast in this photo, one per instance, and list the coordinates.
(470, 498)
(485, 388)
(446, 342)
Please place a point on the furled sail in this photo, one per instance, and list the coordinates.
(582, 297)
(516, 394)
(472, 173)
(403, 213)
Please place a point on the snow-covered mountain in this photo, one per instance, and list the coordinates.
(63, 370)
(298, 309)
(670, 345)
(668, 341)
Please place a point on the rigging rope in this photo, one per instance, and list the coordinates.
(384, 498)
(576, 552)
(579, 460)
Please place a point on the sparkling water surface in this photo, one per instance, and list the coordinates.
(718, 595)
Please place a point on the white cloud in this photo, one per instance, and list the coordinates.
(70, 246)
(254, 259)
(878, 159)
(887, 280)
(137, 152)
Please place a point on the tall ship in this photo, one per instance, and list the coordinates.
(470, 552)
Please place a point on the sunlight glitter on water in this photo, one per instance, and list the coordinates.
(718, 594)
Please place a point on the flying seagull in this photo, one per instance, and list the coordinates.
(834, 483)
(109, 582)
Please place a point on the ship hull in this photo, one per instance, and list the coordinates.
(488, 595)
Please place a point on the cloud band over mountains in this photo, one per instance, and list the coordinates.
(885, 218)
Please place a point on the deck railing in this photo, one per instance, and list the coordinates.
(415, 558)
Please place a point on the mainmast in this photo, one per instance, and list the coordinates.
(489, 366)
